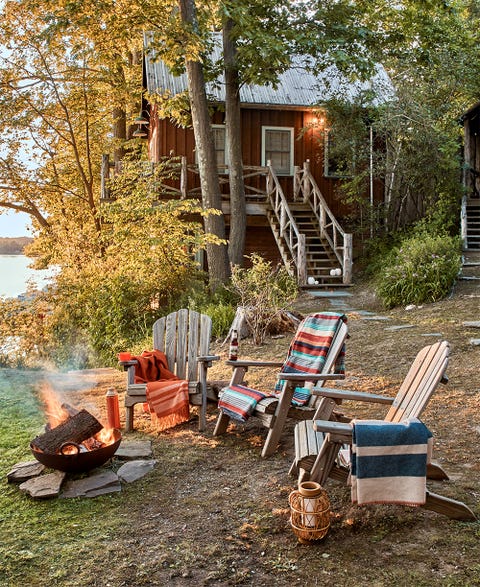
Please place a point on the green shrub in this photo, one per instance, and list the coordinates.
(422, 269)
(220, 306)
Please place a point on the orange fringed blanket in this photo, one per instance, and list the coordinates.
(167, 395)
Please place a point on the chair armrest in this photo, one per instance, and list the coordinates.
(127, 364)
(310, 376)
(208, 358)
(336, 428)
(244, 363)
(346, 394)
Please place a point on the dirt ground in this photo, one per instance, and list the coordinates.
(213, 512)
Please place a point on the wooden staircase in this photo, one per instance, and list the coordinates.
(312, 244)
(472, 212)
(320, 259)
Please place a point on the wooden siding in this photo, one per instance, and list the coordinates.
(166, 139)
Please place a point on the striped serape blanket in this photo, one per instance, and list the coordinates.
(307, 353)
(167, 395)
(389, 461)
(239, 402)
(309, 349)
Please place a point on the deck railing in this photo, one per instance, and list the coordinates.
(307, 191)
(289, 236)
(289, 232)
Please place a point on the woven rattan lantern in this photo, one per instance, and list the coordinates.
(310, 512)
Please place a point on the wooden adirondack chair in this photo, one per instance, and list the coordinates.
(318, 442)
(273, 412)
(184, 337)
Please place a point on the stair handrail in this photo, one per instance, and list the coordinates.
(330, 229)
(463, 222)
(289, 231)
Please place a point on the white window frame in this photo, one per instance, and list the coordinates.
(225, 153)
(289, 129)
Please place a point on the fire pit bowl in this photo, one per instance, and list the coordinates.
(80, 461)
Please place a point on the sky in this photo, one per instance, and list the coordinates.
(12, 224)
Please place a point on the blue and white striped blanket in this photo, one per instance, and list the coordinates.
(389, 461)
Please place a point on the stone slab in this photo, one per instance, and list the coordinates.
(380, 318)
(400, 327)
(23, 471)
(475, 341)
(474, 324)
(330, 294)
(44, 486)
(92, 486)
(134, 449)
(133, 470)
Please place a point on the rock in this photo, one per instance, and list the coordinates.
(95, 484)
(45, 486)
(400, 327)
(474, 324)
(376, 318)
(475, 341)
(134, 449)
(134, 470)
(23, 471)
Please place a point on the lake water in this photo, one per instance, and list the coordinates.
(15, 274)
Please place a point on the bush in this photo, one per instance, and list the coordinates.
(264, 292)
(220, 306)
(422, 269)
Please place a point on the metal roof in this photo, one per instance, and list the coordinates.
(297, 87)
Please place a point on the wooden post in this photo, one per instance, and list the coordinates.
(104, 176)
(301, 261)
(347, 259)
(306, 181)
(296, 183)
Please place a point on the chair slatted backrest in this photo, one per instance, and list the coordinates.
(183, 336)
(426, 372)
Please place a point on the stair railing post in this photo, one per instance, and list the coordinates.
(347, 259)
(463, 223)
(301, 261)
(296, 183)
(306, 181)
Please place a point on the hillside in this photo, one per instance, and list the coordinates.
(14, 245)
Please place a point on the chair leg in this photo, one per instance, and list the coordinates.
(435, 471)
(221, 425)
(325, 461)
(128, 418)
(456, 510)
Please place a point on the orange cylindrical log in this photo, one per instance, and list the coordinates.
(113, 410)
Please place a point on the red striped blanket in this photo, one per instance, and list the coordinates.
(167, 395)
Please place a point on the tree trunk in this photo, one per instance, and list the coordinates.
(119, 129)
(217, 256)
(238, 212)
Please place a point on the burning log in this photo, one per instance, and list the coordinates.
(76, 429)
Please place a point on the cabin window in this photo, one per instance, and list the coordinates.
(219, 138)
(336, 162)
(220, 144)
(277, 147)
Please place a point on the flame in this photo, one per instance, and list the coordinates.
(106, 436)
(54, 411)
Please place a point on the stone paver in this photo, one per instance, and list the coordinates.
(133, 470)
(23, 471)
(134, 449)
(44, 486)
(95, 484)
